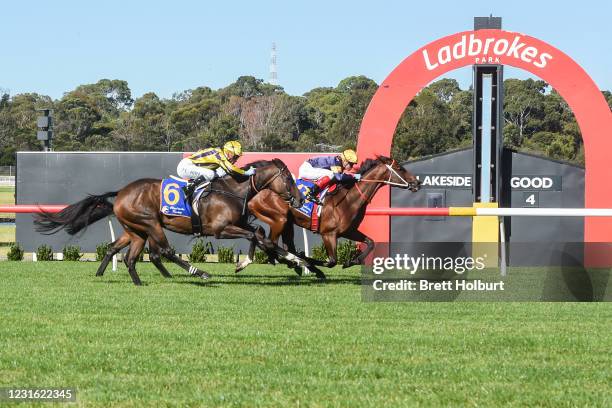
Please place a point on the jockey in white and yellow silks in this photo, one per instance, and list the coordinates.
(322, 170)
(208, 164)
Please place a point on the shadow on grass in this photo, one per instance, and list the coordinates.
(256, 280)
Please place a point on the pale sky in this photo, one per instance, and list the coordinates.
(167, 47)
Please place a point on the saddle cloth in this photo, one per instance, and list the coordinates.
(172, 198)
(310, 208)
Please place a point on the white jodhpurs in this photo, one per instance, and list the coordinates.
(186, 169)
(306, 171)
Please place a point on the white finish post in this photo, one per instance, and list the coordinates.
(306, 249)
(502, 253)
(112, 232)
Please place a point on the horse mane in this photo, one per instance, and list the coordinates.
(256, 164)
(367, 164)
(261, 163)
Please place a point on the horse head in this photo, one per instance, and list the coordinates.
(276, 177)
(388, 171)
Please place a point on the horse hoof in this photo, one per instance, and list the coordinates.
(204, 275)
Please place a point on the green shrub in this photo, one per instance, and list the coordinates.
(225, 254)
(44, 253)
(101, 250)
(199, 251)
(345, 251)
(319, 252)
(15, 253)
(72, 253)
(260, 257)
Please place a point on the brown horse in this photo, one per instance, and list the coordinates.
(341, 214)
(137, 207)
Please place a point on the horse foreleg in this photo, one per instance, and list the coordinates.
(358, 236)
(155, 258)
(118, 245)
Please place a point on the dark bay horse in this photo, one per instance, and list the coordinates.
(137, 208)
(342, 211)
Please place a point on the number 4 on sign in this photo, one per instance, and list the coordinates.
(530, 200)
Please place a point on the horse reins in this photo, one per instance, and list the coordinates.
(288, 197)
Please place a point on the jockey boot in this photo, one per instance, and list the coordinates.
(190, 187)
(320, 185)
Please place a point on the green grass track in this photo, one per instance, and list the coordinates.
(268, 338)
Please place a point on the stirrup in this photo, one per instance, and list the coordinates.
(312, 197)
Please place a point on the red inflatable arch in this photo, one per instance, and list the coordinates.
(497, 47)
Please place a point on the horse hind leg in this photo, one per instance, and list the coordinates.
(155, 258)
(159, 240)
(118, 245)
(358, 258)
(136, 247)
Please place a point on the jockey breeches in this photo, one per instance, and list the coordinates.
(186, 169)
(306, 171)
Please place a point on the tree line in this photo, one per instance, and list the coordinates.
(104, 117)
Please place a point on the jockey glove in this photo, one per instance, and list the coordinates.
(250, 171)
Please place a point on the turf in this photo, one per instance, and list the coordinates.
(268, 338)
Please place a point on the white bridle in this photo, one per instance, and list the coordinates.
(392, 171)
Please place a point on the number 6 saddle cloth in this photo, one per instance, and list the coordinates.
(172, 197)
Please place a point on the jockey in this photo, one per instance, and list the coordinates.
(208, 164)
(322, 170)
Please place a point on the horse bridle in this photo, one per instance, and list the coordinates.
(392, 171)
(286, 196)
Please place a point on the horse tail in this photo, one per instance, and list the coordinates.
(77, 216)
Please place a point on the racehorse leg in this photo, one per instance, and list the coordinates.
(155, 258)
(330, 241)
(118, 245)
(251, 254)
(358, 236)
(288, 240)
(136, 248)
(160, 241)
(234, 231)
(288, 235)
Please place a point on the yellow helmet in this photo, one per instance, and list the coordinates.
(233, 146)
(349, 155)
